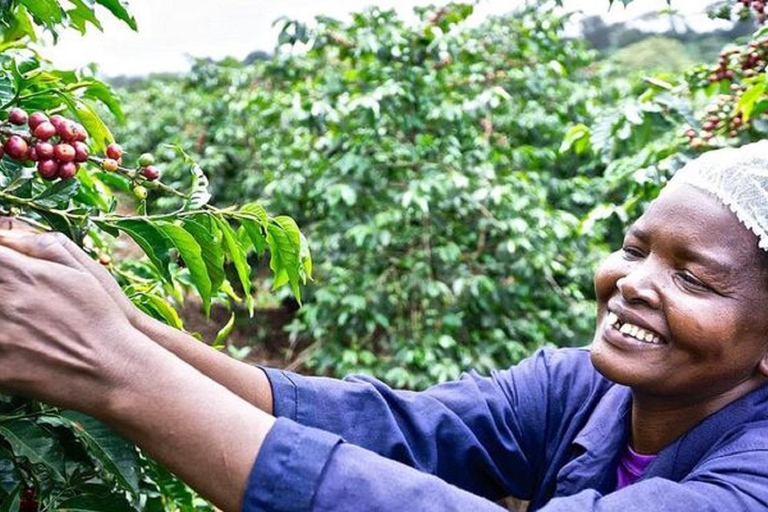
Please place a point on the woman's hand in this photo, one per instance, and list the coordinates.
(62, 336)
(246, 381)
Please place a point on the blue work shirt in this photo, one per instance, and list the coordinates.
(550, 430)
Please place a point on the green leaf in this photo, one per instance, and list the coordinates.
(81, 15)
(191, 253)
(58, 194)
(200, 195)
(97, 90)
(100, 136)
(7, 87)
(284, 241)
(45, 12)
(13, 502)
(747, 101)
(119, 11)
(255, 233)
(223, 334)
(95, 503)
(238, 257)
(10, 477)
(35, 444)
(207, 236)
(116, 455)
(160, 308)
(152, 241)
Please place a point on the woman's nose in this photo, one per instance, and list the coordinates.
(639, 286)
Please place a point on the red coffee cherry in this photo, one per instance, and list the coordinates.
(35, 119)
(44, 150)
(16, 147)
(32, 154)
(48, 169)
(17, 116)
(150, 172)
(81, 151)
(57, 120)
(67, 170)
(109, 165)
(67, 131)
(64, 152)
(114, 151)
(45, 130)
(81, 133)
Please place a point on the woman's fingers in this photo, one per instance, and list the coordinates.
(45, 246)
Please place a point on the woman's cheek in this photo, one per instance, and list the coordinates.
(612, 268)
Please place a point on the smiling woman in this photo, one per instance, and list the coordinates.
(668, 411)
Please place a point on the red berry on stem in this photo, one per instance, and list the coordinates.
(67, 132)
(45, 130)
(81, 151)
(48, 169)
(35, 119)
(64, 152)
(32, 154)
(114, 151)
(67, 170)
(17, 116)
(57, 120)
(150, 172)
(16, 147)
(44, 150)
(109, 165)
(81, 133)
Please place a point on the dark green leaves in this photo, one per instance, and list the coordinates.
(36, 444)
(191, 253)
(112, 452)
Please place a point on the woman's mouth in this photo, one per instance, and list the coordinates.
(633, 331)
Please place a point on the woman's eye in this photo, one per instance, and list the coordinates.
(632, 253)
(692, 281)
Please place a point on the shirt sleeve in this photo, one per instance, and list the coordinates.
(486, 435)
(300, 468)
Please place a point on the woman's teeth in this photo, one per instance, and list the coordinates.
(634, 331)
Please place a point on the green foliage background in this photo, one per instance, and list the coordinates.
(457, 183)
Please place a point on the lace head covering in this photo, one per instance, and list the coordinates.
(739, 178)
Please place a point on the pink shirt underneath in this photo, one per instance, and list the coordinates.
(631, 467)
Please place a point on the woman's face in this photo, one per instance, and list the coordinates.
(683, 305)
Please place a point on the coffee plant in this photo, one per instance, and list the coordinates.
(62, 170)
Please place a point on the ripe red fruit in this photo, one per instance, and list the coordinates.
(64, 152)
(68, 170)
(32, 154)
(48, 169)
(67, 131)
(35, 119)
(17, 116)
(57, 120)
(44, 150)
(109, 165)
(81, 133)
(150, 172)
(16, 147)
(81, 151)
(114, 151)
(45, 130)
(28, 502)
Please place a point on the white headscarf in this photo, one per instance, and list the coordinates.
(739, 178)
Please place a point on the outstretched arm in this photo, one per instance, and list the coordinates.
(65, 342)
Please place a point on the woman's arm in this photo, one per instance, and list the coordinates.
(65, 342)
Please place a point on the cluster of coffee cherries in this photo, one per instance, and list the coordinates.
(757, 6)
(720, 118)
(736, 61)
(57, 146)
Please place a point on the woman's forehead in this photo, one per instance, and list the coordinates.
(696, 220)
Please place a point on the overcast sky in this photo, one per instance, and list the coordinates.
(170, 31)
